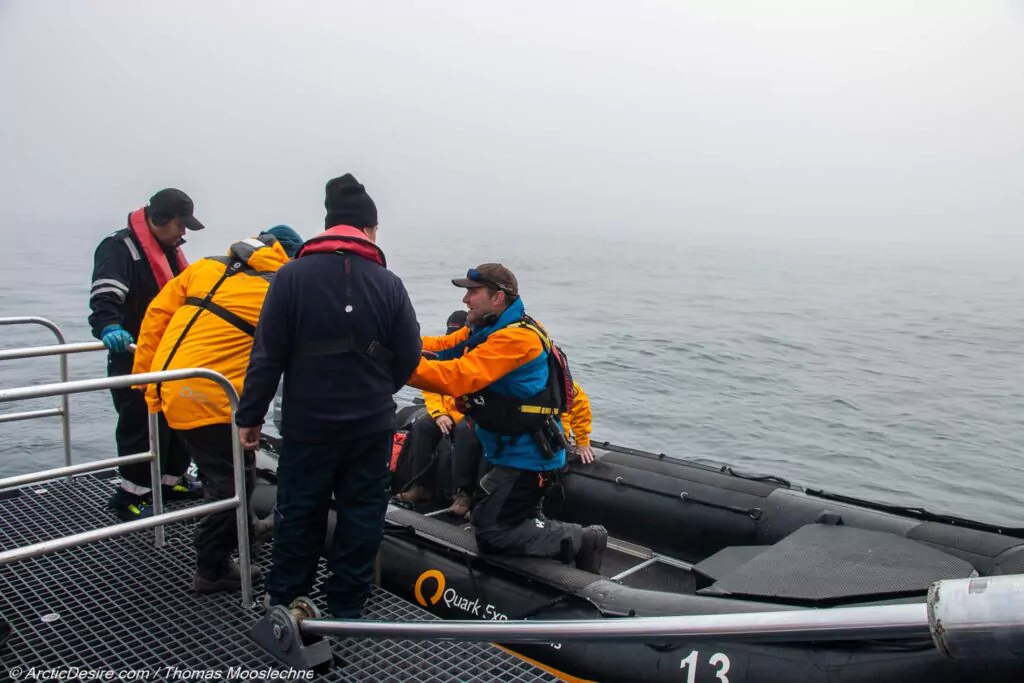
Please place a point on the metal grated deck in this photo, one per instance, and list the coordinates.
(122, 604)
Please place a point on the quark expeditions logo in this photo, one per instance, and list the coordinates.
(417, 590)
(434, 578)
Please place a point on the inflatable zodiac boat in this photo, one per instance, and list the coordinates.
(688, 539)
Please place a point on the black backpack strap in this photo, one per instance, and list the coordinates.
(240, 323)
(349, 343)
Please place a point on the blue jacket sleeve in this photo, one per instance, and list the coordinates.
(272, 346)
(405, 338)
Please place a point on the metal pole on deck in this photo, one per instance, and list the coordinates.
(65, 409)
(155, 476)
(238, 502)
(65, 405)
(52, 350)
(242, 513)
(980, 617)
(840, 623)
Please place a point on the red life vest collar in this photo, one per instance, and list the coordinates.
(155, 255)
(343, 238)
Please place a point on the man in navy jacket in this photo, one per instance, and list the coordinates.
(342, 329)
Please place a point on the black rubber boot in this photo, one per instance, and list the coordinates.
(595, 540)
(229, 579)
(262, 531)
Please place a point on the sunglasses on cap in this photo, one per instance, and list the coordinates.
(475, 275)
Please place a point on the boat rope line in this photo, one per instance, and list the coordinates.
(472, 578)
(753, 513)
(919, 513)
(720, 469)
(765, 478)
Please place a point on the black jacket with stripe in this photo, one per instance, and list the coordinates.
(122, 283)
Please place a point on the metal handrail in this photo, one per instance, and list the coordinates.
(64, 410)
(836, 623)
(84, 468)
(966, 618)
(159, 517)
(61, 350)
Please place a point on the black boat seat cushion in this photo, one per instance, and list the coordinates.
(727, 560)
(826, 563)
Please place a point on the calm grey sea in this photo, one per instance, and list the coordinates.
(869, 371)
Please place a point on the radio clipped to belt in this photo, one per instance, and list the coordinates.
(550, 438)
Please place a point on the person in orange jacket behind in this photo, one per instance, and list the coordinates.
(205, 317)
(443, 419)
(577, 424)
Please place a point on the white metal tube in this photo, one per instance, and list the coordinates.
(81, 386)
(35, 320)
(53, 350)
(155, 477)
(238, 501)
(981, 617)
(65, 409)
(839, 623)
(242, 514)
(65, 416)
(82, 468)
(30, 415)
(51, 546)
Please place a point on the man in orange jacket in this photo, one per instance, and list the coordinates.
(513, 381)
(205, 317)
(469, 466)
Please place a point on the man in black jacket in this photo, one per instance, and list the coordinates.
(131, 266)
(342, 329)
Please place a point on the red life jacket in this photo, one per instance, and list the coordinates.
(343, 238)
(397, 446)
(155, 255)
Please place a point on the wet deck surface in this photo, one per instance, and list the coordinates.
(123, 605)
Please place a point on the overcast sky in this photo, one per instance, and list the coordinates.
(866, 119)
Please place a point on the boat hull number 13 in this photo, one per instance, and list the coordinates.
(719, 663)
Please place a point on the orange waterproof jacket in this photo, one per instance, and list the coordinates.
(506, 358)
(220, 339)
(506, 349)
(441, 404)
(578, 422)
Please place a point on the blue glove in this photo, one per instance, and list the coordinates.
(116, 338)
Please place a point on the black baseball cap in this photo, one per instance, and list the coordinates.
(490, 275)
(171, 203)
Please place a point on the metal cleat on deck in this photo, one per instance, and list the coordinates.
(279, 633)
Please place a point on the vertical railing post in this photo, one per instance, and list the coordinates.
(242, 513)
(65, 413)
(155, 476)
(65, 409)
(239, 501)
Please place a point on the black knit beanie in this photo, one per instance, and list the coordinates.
(348, 204)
